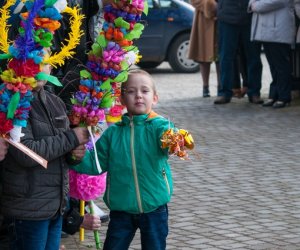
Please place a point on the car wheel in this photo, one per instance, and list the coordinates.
(178, 56)
(148, 65)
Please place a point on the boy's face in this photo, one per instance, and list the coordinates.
(139, 96)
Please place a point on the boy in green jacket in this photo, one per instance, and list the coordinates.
(139, 183)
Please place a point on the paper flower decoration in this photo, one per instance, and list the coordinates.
(177, 142)
(86, 187)
(97, 98)
(27, 55)
(108, 62)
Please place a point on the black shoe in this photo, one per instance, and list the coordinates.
(280, 104)
(206, 92)
(256, 100)
(222, 100)
(269, 103)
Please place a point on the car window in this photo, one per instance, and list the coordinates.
(165, 3)
(159, 3)
(154, 4)
(150, 3)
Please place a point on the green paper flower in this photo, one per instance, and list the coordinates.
(43, 38)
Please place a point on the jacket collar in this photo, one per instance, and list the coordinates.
(41, 95)
(138, 119)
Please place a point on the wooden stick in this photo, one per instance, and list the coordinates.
(81, 211)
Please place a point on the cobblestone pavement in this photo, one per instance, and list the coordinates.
(241, 188)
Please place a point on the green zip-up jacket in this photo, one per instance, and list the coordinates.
(138, 174)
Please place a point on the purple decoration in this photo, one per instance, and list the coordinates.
(25, 43)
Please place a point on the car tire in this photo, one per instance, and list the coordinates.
(178, 55)
(148, 65)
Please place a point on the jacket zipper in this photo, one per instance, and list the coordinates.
(166, 181)
(108, 189)
(49, 115)
(137, 188)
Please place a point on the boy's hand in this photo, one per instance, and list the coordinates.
(91, 222)
(78, 153)
(3, 148)
(82, 134)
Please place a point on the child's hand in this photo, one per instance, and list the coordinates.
(82, 134)
(91, 222)
(78, 153)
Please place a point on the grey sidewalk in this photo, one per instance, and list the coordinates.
(244, 191)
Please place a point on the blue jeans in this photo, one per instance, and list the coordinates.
(122, 227)
(278, 56)
(35, 235)
(231, 37)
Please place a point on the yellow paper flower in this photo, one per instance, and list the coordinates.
(4, 16)
(73, 40)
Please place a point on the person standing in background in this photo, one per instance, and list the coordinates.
(240, 85)
(203, 42)
(234, 25)
(273, 23)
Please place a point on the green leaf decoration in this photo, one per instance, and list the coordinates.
(49, 3)
(21, 31)
(146, 8)
(101, 41)
(122, 77)
(46, 39)
(107, 100)
(136, 32)
(138, 27)
(13, 104)
(42, 76)
(97, 50)
(132, 35)
(124, 65)
(106, 85)
(128, 48)
(85, 74)
(120, 22)
(73, 101)
(5, 56)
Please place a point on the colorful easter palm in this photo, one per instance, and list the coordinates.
(97, 100)
(26, 56)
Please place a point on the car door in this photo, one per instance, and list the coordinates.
(158, 29)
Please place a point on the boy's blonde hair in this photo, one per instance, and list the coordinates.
(132, 72)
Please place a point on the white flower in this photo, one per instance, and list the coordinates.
(16, 134)
(131, 57)
(60, 5)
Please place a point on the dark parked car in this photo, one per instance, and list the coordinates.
(166, 35)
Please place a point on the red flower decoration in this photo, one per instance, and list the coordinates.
(6, 125)
(116, 110)
(26, 69)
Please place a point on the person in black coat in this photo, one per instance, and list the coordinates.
(234, 26)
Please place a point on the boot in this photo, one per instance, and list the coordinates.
(206, 91)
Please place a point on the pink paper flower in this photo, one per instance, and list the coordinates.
(86, 187)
